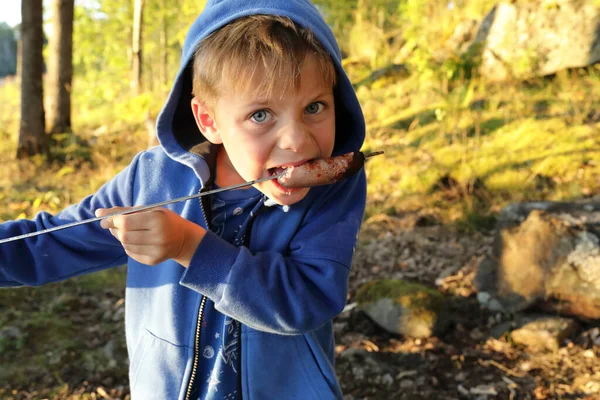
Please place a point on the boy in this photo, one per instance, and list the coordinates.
(230, 297)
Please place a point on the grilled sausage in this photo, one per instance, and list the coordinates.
(323, 171)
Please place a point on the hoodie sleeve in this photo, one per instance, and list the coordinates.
(290, 293)
(70, 252)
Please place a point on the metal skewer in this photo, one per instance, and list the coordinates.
(139, 208)
(155, 205)
(373, 153)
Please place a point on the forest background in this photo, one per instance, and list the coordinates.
(458, 148)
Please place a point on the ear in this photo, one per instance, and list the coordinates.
(205, 121)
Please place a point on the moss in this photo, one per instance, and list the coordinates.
(412, 296)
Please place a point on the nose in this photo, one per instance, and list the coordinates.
(294, 136)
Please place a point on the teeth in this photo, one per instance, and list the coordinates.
(278, 170)
(285, 170)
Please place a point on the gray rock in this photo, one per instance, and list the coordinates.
(527, 38)
(407, 384)
(494, 305)
(484, 390)
(109, 350)
(355, 352)
(544, 333)
(486, 300)
(483, 298)
(64, 301)
(387, 380)
(10, 332)
(402, 307)
(497, 331)
(550, 259)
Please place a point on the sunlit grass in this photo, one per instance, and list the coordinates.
(522, 142)
(85, 160)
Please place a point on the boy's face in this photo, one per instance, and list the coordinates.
(260, 134)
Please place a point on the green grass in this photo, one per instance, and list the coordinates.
(62, 330)
(520, 142)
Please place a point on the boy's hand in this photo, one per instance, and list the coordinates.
(151, 237)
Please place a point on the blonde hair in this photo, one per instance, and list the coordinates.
(276, 47)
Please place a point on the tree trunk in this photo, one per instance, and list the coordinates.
(148, 81)
(164, 40)
(136, 70)
(32, 136)
(60, 67)
(19, 57)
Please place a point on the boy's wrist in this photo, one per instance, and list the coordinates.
(192, 237)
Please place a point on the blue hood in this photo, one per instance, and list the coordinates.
(177, 131)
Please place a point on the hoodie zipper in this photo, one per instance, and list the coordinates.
(201, 312)
(196, 349)
(190, 386)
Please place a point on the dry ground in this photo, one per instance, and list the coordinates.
(83, 357)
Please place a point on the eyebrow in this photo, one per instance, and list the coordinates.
(260, 102)
(265, 102)
(324, 93)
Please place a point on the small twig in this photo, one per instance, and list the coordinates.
(502, 368)
(511, 385)
(510, 382)
(100, 390)
(370, 346)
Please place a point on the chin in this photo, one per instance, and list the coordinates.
(289, 198)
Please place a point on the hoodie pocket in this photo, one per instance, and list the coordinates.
(157, 368)
(137, 358)
(284, 367)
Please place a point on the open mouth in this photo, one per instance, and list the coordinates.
(286, 168)
(276, 171)
(279, 170)
(286, 171)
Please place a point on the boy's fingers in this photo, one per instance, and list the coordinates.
(129, 222)
(101, 212)
(107, 224)
(140, 237)
(143, 253)
(120, 221)
(138, 249)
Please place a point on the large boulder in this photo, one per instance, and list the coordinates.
(520, 39)
(545, 258)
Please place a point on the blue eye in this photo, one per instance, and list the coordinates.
(315, 108)
(260, 116)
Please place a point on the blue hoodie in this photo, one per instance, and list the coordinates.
(285, 284)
